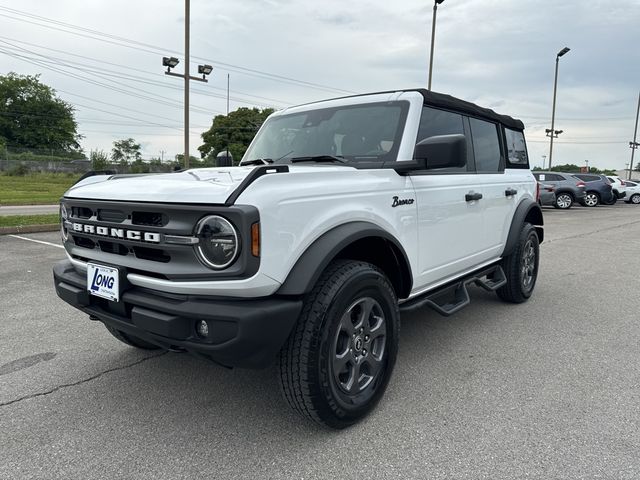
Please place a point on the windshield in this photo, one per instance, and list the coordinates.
(353, 133)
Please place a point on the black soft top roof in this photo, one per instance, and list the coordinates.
(442, 100)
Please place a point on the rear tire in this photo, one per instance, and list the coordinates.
(131, 340)
(521, 267)
(339, 357)
(591, 199)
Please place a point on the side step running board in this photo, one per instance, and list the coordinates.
(450, 298)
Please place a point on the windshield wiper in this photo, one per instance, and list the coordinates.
(257, 161)
(318, 158)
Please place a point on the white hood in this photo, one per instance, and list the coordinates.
(203, 185)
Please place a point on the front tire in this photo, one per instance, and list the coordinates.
(564, 201)
(521, 267)
(635, 199)
(337, 361)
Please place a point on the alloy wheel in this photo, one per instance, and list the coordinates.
(528, 265)
(564, 201)
(359, 346)
(591, 199)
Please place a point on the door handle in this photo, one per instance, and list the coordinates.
(510, 192)
(470, 197)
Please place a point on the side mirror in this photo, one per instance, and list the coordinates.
(442, 151)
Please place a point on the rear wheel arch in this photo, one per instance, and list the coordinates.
(527, 211)
(361, 241)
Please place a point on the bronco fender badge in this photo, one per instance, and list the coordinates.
(404, 201)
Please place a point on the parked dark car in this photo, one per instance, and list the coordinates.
(598, 189)
(568, 189)
(547, 196)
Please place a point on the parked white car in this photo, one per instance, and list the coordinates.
(618, 185)
(633, 192)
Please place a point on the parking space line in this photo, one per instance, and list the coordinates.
(36, 241)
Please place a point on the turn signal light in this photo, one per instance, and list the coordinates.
(255, 239)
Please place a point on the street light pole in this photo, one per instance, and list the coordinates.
(204, 70)
(633, 145)
(433, 38)
(186, 82)
(553, 111)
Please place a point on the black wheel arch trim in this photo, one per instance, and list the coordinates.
(308, 268)
(526, 211)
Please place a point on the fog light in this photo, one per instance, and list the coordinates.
(202, 328)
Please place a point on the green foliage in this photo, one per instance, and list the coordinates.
(567, 168)
(235, 131)
(32, 116)
(126, 151)
(138, 166)
(99, 159)
(23, 220)
(18, 171)
(637, 168)
(35, 188)
(195, 162)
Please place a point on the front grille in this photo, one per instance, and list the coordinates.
(112, 247)
(152, 219)
(84, 242)
(153, 254)
(136, 236)
(81, 212)
(113, 216)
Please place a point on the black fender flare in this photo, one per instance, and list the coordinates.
(526, 211)
(308, 268)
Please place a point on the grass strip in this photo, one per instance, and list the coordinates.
(23, 220)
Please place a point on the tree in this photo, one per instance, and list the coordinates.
(99, 159)
(126, 151)
(235, 131)
(32, 116)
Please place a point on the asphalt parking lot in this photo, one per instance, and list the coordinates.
(549, 389)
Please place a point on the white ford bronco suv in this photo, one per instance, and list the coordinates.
(343, 214)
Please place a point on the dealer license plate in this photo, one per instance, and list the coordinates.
(103, 281)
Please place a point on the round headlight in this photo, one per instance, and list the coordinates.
(63, 218)
(218, 244)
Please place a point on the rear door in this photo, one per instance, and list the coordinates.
(502, 188)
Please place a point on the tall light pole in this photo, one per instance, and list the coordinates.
(633, 145)
(433, 39)
(553, 111)
(544, 161)
(204, 70)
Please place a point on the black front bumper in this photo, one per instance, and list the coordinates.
(242, 332)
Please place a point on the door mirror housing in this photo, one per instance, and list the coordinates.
(443, 151)
(440, 151)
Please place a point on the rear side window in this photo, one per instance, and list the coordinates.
(516, 149)
(588, 178)
(486, 146)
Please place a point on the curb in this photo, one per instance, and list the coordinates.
(52, 227)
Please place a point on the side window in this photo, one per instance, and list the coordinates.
(516, 148)
(441, 122)
(486, 146)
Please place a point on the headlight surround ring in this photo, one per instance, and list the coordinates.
(219, 243)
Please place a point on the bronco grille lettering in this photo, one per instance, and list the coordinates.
(121, 233)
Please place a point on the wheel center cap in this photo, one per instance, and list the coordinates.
(357, 344)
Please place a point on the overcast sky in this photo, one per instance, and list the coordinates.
(497, 53)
